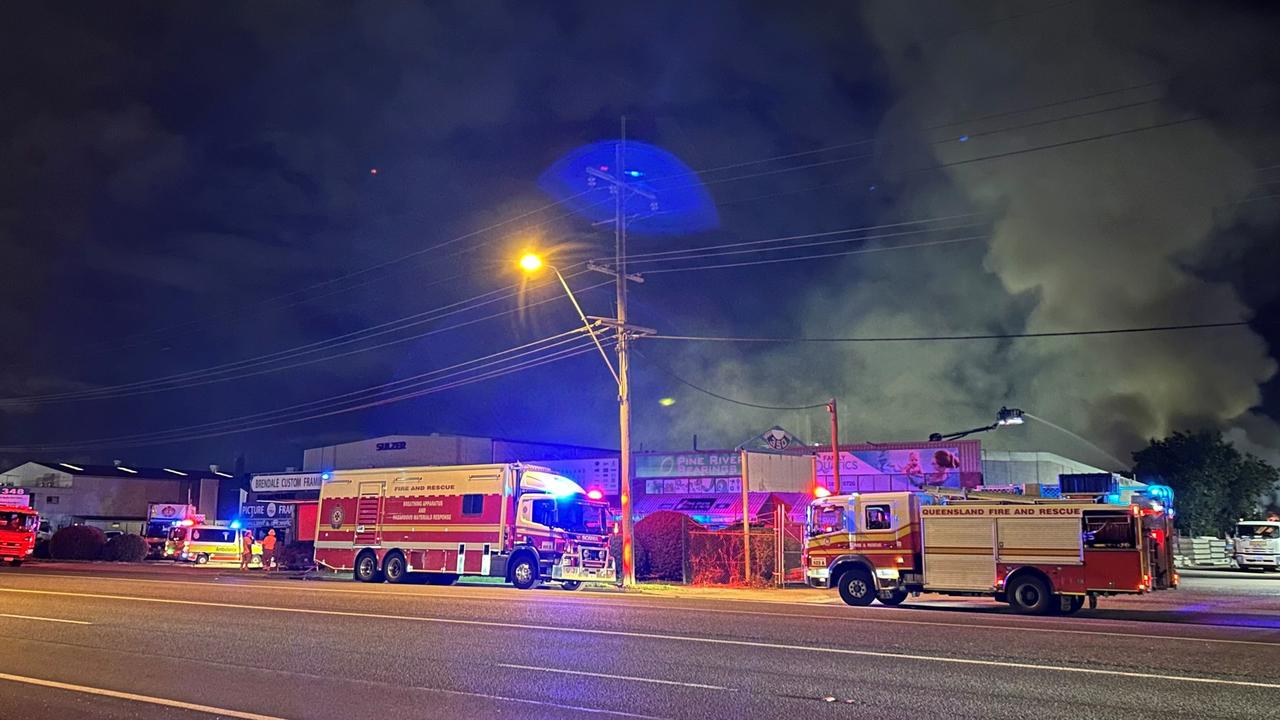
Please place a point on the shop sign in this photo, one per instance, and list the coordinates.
(689, 465)
(267, 515)
(286, 482)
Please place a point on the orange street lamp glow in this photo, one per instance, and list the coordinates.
(530, 262)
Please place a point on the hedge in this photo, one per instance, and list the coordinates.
(125, 548)
(661, 544)
(77, 542)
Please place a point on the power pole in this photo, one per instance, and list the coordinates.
(624, 358)
(835, 447)
(618, 180)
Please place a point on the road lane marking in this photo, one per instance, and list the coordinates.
(661, 636)
(45, 619)
(659, 606)
(164, 702)
(616, 677)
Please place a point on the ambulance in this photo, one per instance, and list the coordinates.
(1040, 556)
(202, 544)
(522, 523)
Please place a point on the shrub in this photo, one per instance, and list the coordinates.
(125, 548)
(77, 542)
(297, 556)
(716, 558)
(661, 546)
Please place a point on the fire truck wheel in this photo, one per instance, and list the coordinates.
(1029, 595)
(524, 572)
(857, 587)
(15, 562)
(895, 599)
(367, 568)
(571, 585)
(393, 568)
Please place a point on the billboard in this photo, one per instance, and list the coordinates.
(689, 464)
(898, 468)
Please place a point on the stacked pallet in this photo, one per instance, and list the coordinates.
(1204, 552)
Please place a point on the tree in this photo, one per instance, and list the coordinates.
(1214, 484)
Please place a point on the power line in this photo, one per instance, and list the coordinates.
(246, 368)
(580, 194)
(339, 278)
(641, 257)
(941, 338)
(816, 243)
(861, 251)
(265, 419)
(865, 156)
(718, 396)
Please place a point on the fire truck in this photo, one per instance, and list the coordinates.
(522, 523)
(18, 525)
(1040, 556)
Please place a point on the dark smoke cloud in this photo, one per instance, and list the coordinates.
(1101, 234)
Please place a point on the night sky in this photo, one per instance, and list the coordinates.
(204, 190)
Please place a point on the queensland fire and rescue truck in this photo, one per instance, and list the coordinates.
(1038, 555)
(18, 525)
(522, 523)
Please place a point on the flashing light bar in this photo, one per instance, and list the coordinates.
(235, 525)
(821, 492)
(175, 472)
(595, 495)
(128, 470)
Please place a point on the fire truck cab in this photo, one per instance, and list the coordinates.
(1040, 556)
(18, 526)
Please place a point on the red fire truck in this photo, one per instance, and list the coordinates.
(1040, 556)
(518, 522)
(18, 525)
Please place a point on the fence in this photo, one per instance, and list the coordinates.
(716, 557)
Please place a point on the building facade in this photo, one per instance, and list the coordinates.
(113, 497)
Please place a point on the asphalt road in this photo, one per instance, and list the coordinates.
(93, 641)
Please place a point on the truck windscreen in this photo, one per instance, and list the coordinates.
(577, 516)
(1262, 532)
(17, 521)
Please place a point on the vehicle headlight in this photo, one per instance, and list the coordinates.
(887, 572)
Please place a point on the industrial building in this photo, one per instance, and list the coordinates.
(115, 497)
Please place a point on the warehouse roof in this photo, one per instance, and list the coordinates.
(127, 470)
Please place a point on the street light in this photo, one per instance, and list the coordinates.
(531, 262)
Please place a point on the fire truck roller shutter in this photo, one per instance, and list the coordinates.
(1039, 541)
(959, 553)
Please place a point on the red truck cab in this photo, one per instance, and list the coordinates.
(18, 526)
